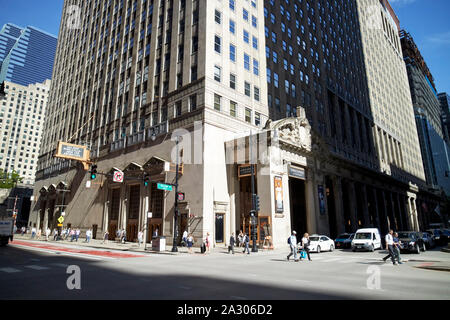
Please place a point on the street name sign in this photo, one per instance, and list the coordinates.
(164, 187)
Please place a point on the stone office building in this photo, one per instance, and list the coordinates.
(148, 71)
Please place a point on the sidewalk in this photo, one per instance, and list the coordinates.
(133, 246)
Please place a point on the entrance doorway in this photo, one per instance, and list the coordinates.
(133, 213)
(331, 207)
(219, 228)
(297, 194)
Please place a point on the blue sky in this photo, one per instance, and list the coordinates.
(426, 20)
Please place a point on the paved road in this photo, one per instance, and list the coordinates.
(31, 270)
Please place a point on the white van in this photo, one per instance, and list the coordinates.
(367, 239)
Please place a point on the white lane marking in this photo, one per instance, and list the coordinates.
(332, 260)
(185, 288)
(303, 281)
(62, 265)
(10, 270)
(34, 267)
(238, 298)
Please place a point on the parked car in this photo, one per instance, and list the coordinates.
(440, 237)
(344, 240)
(411, 241)
(366, 239)
(319, 243)
(428, 239)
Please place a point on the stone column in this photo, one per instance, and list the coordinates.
(377, 213)
(353, 206)
(415, 218)
(410, 215)
(123, 208)
(339, 206)
(311, 208)
(365, 208)
(383, 218)
(399, 211)
(45, 226)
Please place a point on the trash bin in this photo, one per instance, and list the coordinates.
(159, 244)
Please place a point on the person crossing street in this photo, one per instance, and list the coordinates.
(292, 240)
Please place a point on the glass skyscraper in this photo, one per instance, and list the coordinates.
(26, 54)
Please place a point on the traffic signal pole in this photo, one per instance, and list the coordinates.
(175, 213)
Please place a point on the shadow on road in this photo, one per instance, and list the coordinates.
(102, 280)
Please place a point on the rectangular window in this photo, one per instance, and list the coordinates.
(255, 43)
(232, 4)
(193, 102)
(247, 89)
(232, 27)
(245, 14)
(217, 73)
(246, 37)
(232, 81)
(257, 119)
(246, 61)
(218, 16)
(254, 21)
(217, 102)
(217, 44)
(256, 67)
(248, 115)
(233, 108)
(232, 53)
(256, 93)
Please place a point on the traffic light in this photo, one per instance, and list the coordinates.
(256, 201)
(146, 180)
(94, 172)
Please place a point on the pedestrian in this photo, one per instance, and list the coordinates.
(241, 238)
(397, 244)
(55, 234)
(184, 240)
(305, 245)
(33, 232)
(47, 233)
(39, 233)
(155, 233)
(140, 238)
(105, 237)
(292, 241)
(247, 243)
(190, 242)
(124, 236)
(72, 235)
(207, 242)
(390, 247)
(88, 235)
(22, 231)
(77, 234)
(231, 246)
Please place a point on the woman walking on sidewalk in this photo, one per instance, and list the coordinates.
(105, 237)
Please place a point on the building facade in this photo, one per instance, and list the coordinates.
(22, 115)
(26, 54)
(280, 84)
(428, 113)
(444, 100)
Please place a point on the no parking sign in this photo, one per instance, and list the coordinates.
(118, 176)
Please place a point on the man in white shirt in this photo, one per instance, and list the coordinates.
(390, 246)
(293, 246)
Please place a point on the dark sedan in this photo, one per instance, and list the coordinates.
(428, 239)
(411, 241)
(344, 241)
(440, 236)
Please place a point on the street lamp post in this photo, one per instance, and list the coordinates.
(175, 230)
(253, 211)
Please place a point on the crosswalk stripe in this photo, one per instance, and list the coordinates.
(10, 270)
(34, 267)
